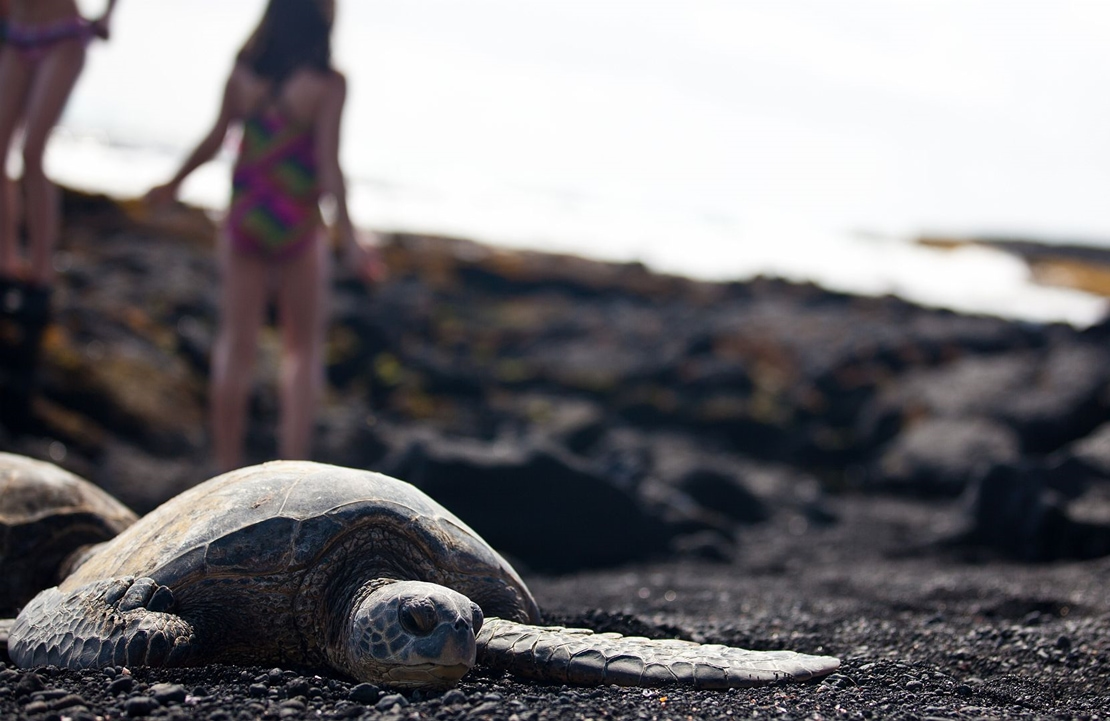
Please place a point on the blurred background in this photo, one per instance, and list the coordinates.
(712, 138)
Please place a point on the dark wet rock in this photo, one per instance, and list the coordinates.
(537, 504)
(346, 436)
(723, 493)
(1015, 512)
(1048, 396)
(940, 456)
(1083, 463)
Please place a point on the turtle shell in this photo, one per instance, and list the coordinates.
(273, 547)
(46, 514)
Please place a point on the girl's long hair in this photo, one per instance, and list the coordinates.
(293, 34)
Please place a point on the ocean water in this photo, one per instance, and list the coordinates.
(713, 138)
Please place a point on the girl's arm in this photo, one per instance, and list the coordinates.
(362, 254)
(204, 151)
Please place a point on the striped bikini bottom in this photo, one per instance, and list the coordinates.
(34, 41)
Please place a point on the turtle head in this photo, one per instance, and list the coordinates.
(409, 634)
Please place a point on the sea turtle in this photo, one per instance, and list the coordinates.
(48, 519)
(314, 565)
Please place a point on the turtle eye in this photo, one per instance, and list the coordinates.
(418, 616)
(477, 617)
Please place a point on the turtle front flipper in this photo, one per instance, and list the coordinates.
(580, 656)
(114, 622)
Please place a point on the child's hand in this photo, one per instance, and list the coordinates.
(100, 28)
(161, 195)
(364, 257)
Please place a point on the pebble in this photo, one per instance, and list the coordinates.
(258, 690)
(168, 693)
(837, 680)
(364, 693)
(297, 687)
(68, 701)
(454, 696)
(348, 711)
(139, 705)
(122, 684)
(36, 707)
(488, 707)
(391, 700)
(51, 694)
(29, 683)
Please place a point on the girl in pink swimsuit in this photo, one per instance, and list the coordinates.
(41, 57)
(288, 99)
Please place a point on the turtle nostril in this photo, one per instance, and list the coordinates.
(418, 616)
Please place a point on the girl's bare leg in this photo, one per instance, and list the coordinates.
(243, 291)
(303, 309)
(51, 84)
(15, 79)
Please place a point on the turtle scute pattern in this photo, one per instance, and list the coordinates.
(580, 656)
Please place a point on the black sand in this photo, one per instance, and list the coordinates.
(919, 636)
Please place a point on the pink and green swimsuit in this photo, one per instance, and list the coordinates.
(275, 195)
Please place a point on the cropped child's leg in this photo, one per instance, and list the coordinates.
(54, 78)
(303, 308)
(15, 79)
(243, 291)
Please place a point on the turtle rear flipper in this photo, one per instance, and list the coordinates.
(580, 656)
(114, 622)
